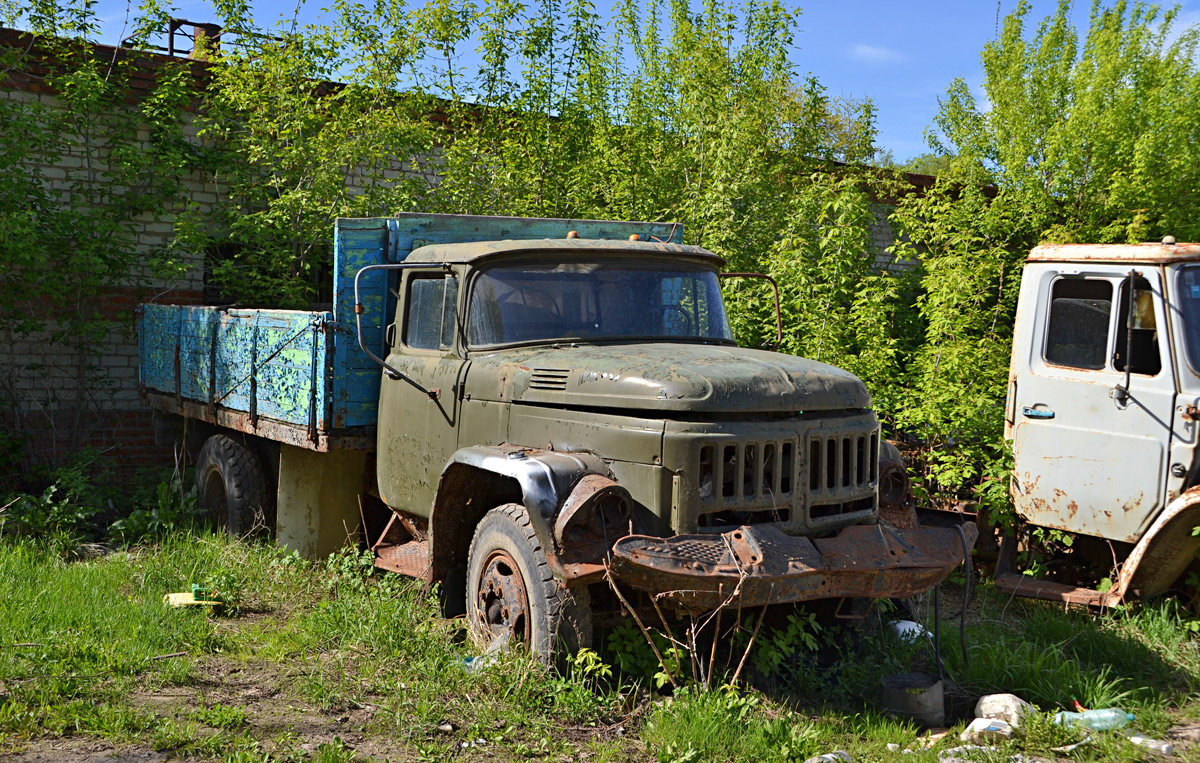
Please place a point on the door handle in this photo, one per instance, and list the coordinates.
(1037, 413)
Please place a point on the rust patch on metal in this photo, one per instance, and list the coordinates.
(292, 434)
(403, 547)
(1133, 504)
(502, 604)
(411, 559)
(1016, 584)
(759, 564)
(1165, 551)
(1132, 253)
(896, 506)
(1154, 564)
(596, 513)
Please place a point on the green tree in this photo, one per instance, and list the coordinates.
(927, 164)
(1086, 142)
(670, 114)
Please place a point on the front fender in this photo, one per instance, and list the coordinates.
(545, 476)
(477, 479)
(1163, 553)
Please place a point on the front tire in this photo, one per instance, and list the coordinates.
(231, 485)
(511, 590)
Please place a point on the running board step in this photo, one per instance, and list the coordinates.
(1030, 587)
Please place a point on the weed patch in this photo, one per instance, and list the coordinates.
(335, 661)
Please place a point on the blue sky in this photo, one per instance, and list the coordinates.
(900, 53)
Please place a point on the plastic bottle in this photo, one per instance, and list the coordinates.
(1165, 748)
(480, 663)
(1097, 720)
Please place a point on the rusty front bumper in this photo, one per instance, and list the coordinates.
(760, 564)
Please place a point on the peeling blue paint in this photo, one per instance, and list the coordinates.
(274, 363)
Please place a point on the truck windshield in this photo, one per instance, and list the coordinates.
(1189, 305)
(595, 301)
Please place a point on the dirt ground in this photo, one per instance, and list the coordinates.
(265, 693)
(78, 751)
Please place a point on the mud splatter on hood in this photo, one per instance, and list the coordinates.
(675, 377)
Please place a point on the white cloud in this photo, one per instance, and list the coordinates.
(871, 54)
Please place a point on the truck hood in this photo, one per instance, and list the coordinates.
(673, 377)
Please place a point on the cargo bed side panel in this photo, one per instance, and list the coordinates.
(272, 364)
(355, 400)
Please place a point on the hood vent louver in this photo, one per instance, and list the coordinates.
(549, 378)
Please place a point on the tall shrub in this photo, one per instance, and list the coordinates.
(84, 164)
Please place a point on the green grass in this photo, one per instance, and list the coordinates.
(354, 666)
(81, 637)
(69, 628)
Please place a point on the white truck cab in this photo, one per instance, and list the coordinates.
(1102, 409)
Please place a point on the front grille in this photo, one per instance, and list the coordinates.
(796, 477)
(548, 378)
(842, 461)
(841, 468)
(748, 471)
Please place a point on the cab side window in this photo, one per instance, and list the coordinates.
(430, 311)
(1077, 327)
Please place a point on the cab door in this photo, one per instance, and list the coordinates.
(1090, 454)
(418, 433)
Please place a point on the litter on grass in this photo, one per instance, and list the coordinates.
(986, 729)
(837, 756)
(1005, 707)
(199, 596)
(480, 663)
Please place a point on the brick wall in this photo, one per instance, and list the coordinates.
(56, 398)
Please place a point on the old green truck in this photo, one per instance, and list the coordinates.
(524, 410)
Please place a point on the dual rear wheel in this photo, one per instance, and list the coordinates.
(232, 486)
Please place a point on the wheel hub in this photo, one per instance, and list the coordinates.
(503, 604)
(214, 501)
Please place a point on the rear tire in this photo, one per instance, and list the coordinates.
(511, 590)
(232, 486)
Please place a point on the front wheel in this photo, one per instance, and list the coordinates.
(511, 590)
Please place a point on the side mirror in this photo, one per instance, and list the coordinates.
(1120, 393)
(359, 309)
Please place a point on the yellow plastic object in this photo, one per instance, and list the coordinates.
(188, 599)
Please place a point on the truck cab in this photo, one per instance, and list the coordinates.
(1102, 411)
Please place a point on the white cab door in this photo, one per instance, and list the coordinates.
(1091, 455)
